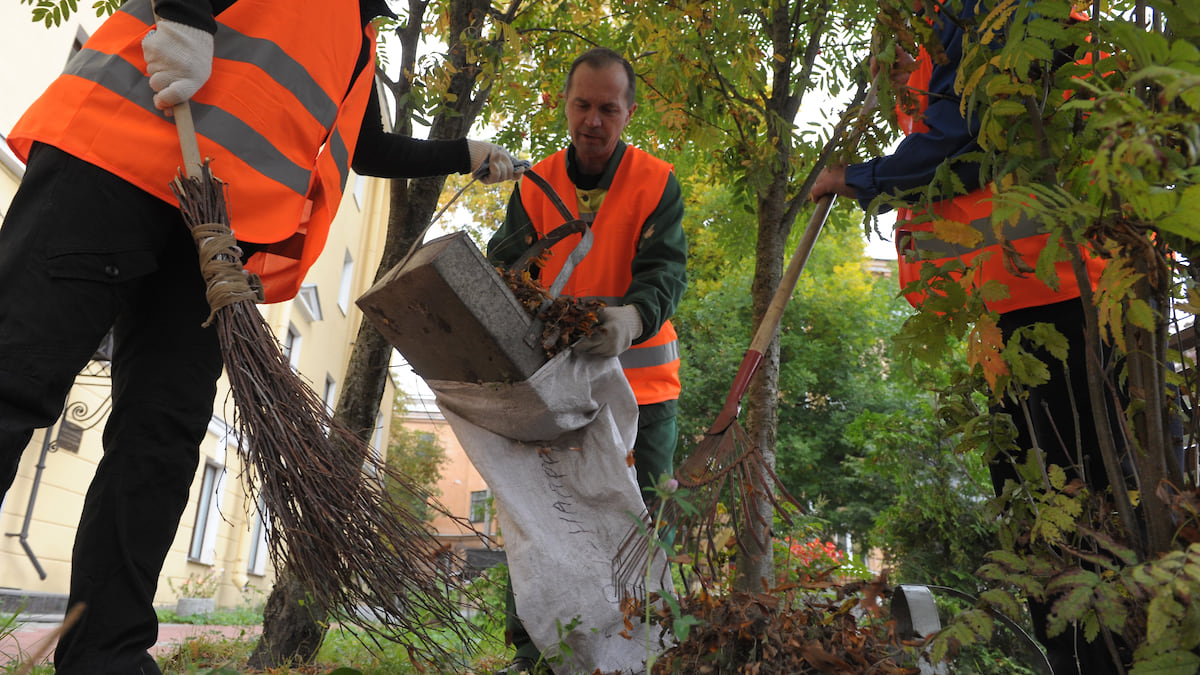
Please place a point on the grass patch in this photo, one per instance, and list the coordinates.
(209, 653)
(241, 616)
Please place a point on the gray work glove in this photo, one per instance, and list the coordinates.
(179, 59)
(492, 164)
(618, 328)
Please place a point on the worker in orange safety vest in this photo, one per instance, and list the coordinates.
(636, 264)
(937, 135)
(283, 101)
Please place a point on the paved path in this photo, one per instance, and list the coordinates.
(30, 637)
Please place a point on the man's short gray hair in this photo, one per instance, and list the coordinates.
(602, 57)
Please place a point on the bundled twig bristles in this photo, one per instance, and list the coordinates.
(334, 523)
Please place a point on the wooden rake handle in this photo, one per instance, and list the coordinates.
(772, 317)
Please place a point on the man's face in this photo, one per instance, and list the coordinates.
(597, 112)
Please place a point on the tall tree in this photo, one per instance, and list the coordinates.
(731, 80)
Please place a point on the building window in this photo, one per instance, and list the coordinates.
(203, 545)
(347, 282)
(309, 302)
(330, 394)
(257, 565)
(479, 506)
(291, 347)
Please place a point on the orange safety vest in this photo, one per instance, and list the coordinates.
(279, 118)
(652, 367)
(975, 209)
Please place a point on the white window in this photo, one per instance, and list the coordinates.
(330, 393)
(257, 564)
(309, 302)
(291, 347)
(347, 283)
(203, 546)
(479, 506)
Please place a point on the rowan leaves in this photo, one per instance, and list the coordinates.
(983, 349)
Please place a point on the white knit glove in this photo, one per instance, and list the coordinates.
(179, 59)
(617, 329)
(492, 164)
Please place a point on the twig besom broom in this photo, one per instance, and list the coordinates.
(726, 461)
(334, 523)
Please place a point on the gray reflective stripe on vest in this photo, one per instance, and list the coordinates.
(223, 128)
(233, 45)
(142, 10)
(645, 357)
(341, 157)
(123, 78)
(929, 246)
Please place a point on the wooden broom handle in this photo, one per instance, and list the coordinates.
(187, 139)
(186, 129)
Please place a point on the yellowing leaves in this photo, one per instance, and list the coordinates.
(984, 346)
(961, 234)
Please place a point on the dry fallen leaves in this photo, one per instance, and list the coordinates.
(793, 633)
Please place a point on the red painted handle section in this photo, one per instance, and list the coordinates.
(741, 382)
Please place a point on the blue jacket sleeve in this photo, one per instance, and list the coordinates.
(915, 160)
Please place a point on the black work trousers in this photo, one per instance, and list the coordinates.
(83, 252)
(1051, 427)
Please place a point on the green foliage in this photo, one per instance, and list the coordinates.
(54, 13)
(14, 655)
(1173, 616)
(932, 526)
(971, 627)
(1104, 151)
(418, 456)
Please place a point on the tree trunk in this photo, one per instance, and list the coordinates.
(755, 563)
(777, 212)
(293, 627)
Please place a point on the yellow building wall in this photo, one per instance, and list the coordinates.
(458, 480)
(324, 351)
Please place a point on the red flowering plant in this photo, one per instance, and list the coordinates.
(806, 561)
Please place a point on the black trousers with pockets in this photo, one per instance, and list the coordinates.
(83, 252)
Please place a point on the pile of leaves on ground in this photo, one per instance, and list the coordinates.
(795, 631)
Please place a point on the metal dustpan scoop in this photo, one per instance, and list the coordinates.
(451, 315)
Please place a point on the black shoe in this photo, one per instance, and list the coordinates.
(520, 664)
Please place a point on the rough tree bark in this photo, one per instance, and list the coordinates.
(778, 207)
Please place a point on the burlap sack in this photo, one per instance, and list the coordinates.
(553, 450)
